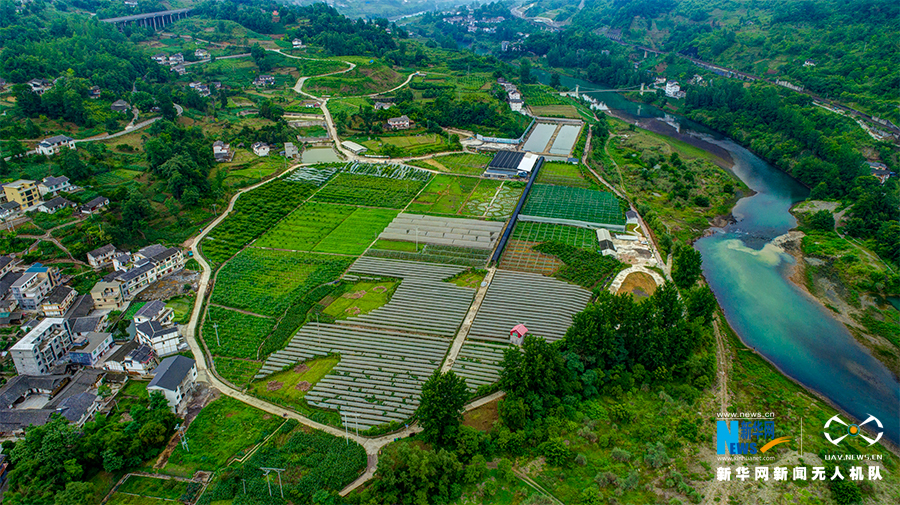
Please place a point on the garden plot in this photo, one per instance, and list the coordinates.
(479, 363)
(582, 238)
(380, 375)
(430, 253)
(396, 172)
(518, 255)
(542, 304)
(444, 231)
(304, 228)
(316, 175)
(573, 206)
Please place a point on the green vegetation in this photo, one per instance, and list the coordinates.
(361, 298)
(445, 194)
(464, 164)
(234, 334)
(223, 429)
(468, 279)
(355, 234)
(155, 488)
(582, 238)
(365, 79)
(369, 191)
(182, 306)
(289, 386)
(585, 268)
(236, 371)
(443, 400)
(565, 174)
(304, 228)
(320, 465)
(573, 204)
(254, 212)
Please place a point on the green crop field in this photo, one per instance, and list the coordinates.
(465, 164)
(564, 174)
(566, 111)
(267, 282)
(370, 191)
(239, 335)
(356, 232)
(302, 229)
(573, 204)
(127, 499)
(317, 463)
(493, 199)
(236, 371)
(224, 428)
(582, 238)
(254, 213)
(445, 194)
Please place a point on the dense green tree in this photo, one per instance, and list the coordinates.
(441, 406)
(75, 493)
(412, 476)
(822, 220)
(686, 268)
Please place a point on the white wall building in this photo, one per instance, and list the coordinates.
(175, 377)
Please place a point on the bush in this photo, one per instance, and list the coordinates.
(606, 479)
(620, 455)
(656, 455)
(701, 201)
(581, 460)
(822, 220)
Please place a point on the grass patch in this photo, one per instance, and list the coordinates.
(369, 191)
(182, 306)
(304, 228)
(153, 487)
(469, 278)
(237, 371)
(293, 383)
(224, 428)
(127, 499)
(361, 298)
(445, 194)
(355, 233)
(463, 164)
(396, 245)
(565, 111)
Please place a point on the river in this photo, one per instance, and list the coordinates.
(750, 278)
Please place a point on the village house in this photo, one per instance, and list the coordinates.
(203, 54)
(101, 256)
(296, 44)
(30, 289)
(672, 89)
(160, 58)
(107, 295)
(150, 264)
(58, 301)
(53, 185)
(179, 69)
(809, 63)
(41, 347)
(264, 80)
(23, 191)
(516, 104)
(89, 349)
(40, 85)
(154, 311)
(261, 149)
(383, 105)
(354, 147)
(94, 92)
(290, 150)
(10, 210)
(175, 377)
(52, 145)
(222, 152)
(94, 206)
(399, 123)
(119, 106)
(517, 334)
(6, 264)
(131, 357)
(176, 59)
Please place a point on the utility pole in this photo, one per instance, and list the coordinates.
(417, 239)
(216, 327)
(278, 471)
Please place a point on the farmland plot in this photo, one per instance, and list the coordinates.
(574, 206)
(582, 238)
(430, 253)
(470, 233)
(479, 363)
(267, 282)
(315, 175)
(370, 191)
(445, 194)
(380, 375)
(305, 227)
(466, 164)
(239, 335)
(518, 255)
(493, 200)
(355, 233)
(542, 304)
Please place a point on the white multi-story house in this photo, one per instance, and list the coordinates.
(53, 185)
(672, 89)
(399, 123)
(261, 149)
(58, 301)
(30, 289)
(41, 347)
(107, 295)
(132, 357)
(175, 378)
(53, 145)
(150, 264)
(154, 311)
(101, 256)
(164, 340)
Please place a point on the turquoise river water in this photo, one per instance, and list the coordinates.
(749, 276)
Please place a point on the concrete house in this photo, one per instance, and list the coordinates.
(222, 152)
(631, 217)
(203, 54)
(160, 58)
(261, 149)
(41, 347)
(399, 123)
(95, 205)
(102, 256)
(264, 80)
(58, 301)
(107, 295)
(290, 150)
(53, 185)
(163, 339)
(154, 311)
(175, 377)
(23, 191)
(89, 349)
(52, 145)
(606, 246)
(176, 59)
(119, 106)
(133, 358)
(296, 44)
(40, 85)
(30, 289)
(10, 210)
(54, 205)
